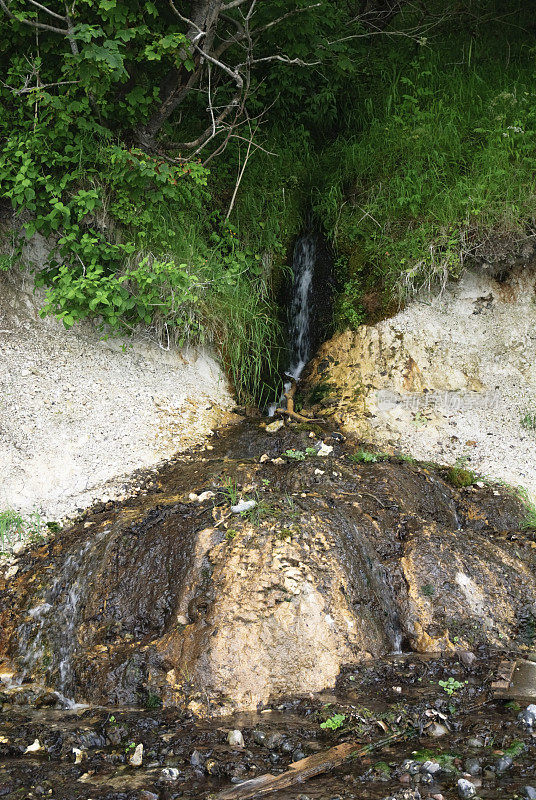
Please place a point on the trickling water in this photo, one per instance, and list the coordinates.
(49, 634)
(300, 310)
(303, 263)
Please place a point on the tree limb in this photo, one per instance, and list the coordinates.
(33, 23)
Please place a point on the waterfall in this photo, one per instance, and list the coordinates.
(303, 263)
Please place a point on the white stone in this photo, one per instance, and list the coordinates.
(34, 748)
(245, 505)
(235, 739)
(136, 758)
(325, 449)
(275, 426)
(204, 496)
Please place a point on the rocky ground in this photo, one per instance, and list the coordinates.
(451, 740)
(78, 413)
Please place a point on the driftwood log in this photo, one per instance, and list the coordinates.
(300, 771)
(289, 410)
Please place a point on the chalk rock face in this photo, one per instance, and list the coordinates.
(79, 412)
(171, 597)
(448, 377)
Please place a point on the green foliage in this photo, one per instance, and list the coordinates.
(366, 457)
(451, 686)
(428, 590)
(333, 723)
(459, 476)
(528, 421)
(438, 155)
(15, 527)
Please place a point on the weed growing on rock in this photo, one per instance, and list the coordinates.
(333, 723)
(451, 686)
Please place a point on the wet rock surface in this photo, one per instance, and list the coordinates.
(164, 599)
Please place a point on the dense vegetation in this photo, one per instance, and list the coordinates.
(171, 151)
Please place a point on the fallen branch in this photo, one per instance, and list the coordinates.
(302, 770)
(299, 417)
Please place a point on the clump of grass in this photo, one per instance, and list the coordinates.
(528, 421)
(15, 527)
(459, 476)
(366, 457)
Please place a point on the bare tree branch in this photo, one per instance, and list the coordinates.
(32, 23)
(48, 10)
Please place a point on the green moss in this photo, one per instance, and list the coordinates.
(460, 477)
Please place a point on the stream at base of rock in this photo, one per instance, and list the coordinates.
(184, 757)
(264, 583)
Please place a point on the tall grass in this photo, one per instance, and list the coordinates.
(443, 156)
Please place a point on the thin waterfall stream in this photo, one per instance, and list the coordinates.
(303, 265)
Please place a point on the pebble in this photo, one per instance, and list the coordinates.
(473, 766)
(196, 759)
(169, 774)
(466, 789)
(204, 496)
(473, 742)
(504, 764)
(275, 426)
(259, 737)
(274, 741)
(529, 792)
(432, 767)
(136, 758)
(235, 739)
(529, 715)
(245, 505)
(145, 795)
(436, 730)
(324, 449)
(34, 747)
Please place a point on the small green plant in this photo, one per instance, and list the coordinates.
(230, 534)
(333, 723)
(459, 476)
(130, 746)
(152, 701)
(451, 686)
(517, 748)
(366, 457)
(528, 421)
(230, 491)
(296, 455)
(15, 527)
(428, 590)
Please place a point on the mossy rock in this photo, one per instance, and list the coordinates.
(460, 477)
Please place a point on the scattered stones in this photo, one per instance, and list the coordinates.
(466, 789)
(324, 449)
(235, 739)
